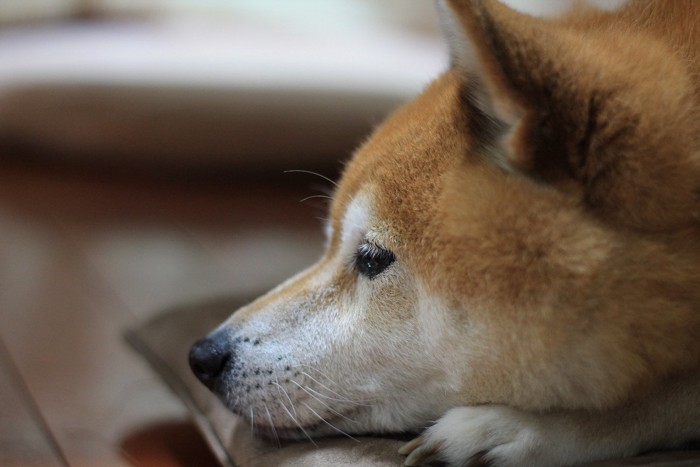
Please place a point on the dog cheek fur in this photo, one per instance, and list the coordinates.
(573, 314)
(563, 309)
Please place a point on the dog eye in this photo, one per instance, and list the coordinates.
(371, 260)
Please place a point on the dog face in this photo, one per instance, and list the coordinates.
(360, 339)
(487, 245)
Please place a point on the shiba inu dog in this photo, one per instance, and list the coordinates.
(514, 255)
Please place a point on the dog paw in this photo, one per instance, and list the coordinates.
(496, 435)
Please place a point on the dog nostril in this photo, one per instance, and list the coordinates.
(208, 357)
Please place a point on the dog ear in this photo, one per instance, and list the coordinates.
(592, 109)
(515, 81)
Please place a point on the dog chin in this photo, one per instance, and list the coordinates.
(361, 421)
(317, 429)
(296, 425)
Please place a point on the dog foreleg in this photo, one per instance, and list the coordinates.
(504, 436)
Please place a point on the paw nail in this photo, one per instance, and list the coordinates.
(413, 459)
(410, 446)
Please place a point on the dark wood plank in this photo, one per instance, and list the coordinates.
(81, 258)
(24, 437)
(63, 329)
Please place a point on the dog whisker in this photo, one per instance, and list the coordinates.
(272, 425)
(324, 386)
(310, 172)
(296, 422)
(235, 403)
(284, 391)
(345, 400)
(324, 404)
(329, 423)
(314, 197)
(341, 398)
(320, 373)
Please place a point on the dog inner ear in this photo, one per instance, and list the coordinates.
(567, 103)
(515, 86)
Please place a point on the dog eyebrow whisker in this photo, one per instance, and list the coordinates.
(311, 172)
(329, 423)
(296, 422)
(315, 197)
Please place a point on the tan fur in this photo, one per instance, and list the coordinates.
(613, 306)
(542, 200)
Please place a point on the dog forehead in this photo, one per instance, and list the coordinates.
(358, 216)
(397, 173)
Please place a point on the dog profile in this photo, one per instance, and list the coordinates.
(514, 255)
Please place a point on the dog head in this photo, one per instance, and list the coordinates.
(508, 237)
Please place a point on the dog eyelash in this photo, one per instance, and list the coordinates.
(371, 260)
(369, 249)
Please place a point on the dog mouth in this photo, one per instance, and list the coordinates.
(277, 409)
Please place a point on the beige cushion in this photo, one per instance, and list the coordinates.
(188, 126)
(188, 94)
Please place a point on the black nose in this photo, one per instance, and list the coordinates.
(208, 358)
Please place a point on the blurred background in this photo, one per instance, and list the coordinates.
(143, 150)
(207, 85)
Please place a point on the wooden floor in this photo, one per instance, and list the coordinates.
(84, 255)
